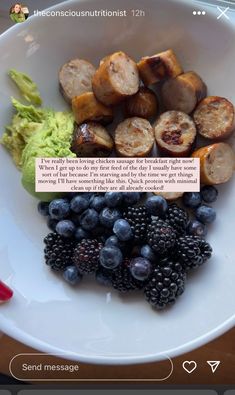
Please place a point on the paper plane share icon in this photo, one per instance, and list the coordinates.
(214, 365)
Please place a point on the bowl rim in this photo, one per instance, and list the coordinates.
(44, 347)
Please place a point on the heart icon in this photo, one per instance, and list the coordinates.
(189, 366)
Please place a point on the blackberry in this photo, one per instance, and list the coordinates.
(177, 218)
(86, 255)
(58, 251)
(138, 218)
(160, 236)
(192, 251)
(122, 280)
(166, 283)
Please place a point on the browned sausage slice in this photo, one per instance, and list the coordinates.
(143, 104)
(87, 108)
(75, 78)
(134, 137)
(91, 139)
(175, 133)
(214, 118)
(183, 92)
(158, 67)
(116, 79)
(216, 163)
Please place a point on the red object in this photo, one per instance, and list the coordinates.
(5, 292)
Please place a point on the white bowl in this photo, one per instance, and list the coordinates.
(91, 323)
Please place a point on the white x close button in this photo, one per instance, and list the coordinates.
(223, 13)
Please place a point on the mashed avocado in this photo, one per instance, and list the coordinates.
(26, 122)
(27, 87)
(37, 133)
(53, 139)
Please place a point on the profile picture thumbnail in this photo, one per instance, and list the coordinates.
(19, 13)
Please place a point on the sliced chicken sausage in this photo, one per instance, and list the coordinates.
(175, 133)
(75, 78)
(116, 79)
(214, 118)
(183, 92)
(216, 163)
(158, 67)
(143, 104)
(134, 137)
(91, 139)
(87, 108)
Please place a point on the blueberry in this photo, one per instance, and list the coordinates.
(80, 234)
(147, 252)
(108, 216)
(87, 195)
(79, 204)
(205, 214)
(140, 268)
(65, 228)
(97, 202)
(89, 219)
(196, 228)
(59, 208)
(192, 199)
(110, 257)
(51, 223)
(103, 279)
(122, 230)
(43, 208)
(131, 198)
(156, 205)
(209, 193)
(112, 241)
(113, 199)
(72, 275)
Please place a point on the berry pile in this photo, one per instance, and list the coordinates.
(129, 242)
